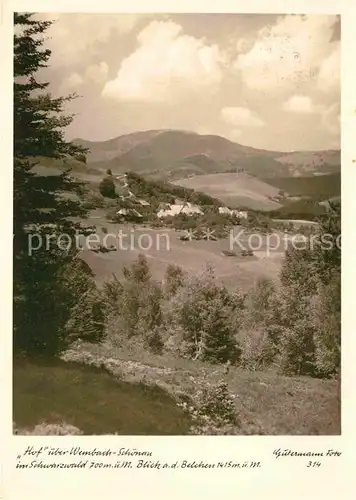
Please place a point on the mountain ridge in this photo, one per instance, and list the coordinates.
(172, 154)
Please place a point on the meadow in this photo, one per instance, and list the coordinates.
(192, 256)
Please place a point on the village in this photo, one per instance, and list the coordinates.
(164, 210)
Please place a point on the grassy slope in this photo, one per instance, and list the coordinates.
(236, 190)
(92, 400)
(266, 403)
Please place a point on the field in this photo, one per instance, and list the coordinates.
(193, 256)
(235, 190)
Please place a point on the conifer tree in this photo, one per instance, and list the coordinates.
(43, 301)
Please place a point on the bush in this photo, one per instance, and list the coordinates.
(107, 187)
(46, 429)
(139, 272)
(216, 402)
(212, 410)
(154, 341)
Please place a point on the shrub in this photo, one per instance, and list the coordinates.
(107, 187)
(46, 429)
(216, 402)
(212, 409)
(154, 341)
(139, 272)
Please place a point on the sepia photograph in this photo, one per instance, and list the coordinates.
(176, 224)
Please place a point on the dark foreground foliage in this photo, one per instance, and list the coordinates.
(49, 286)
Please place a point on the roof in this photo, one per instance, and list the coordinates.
(144, 203)
(225, 210)
(128, 211)
(185, 208)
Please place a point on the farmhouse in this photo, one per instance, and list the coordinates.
(143, 203)
(225, 211)
(126, 193)
(237, 213)
(242, 214)
(128, 212)
(183, 208)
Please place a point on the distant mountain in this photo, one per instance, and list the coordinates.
(175, 154)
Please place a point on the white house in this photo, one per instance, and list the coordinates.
(185, 208)
(237, 213)
(128, 211)
(143, 203)
(240, 213)
(225, 211)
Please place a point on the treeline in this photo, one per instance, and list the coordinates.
(306, 209)
(318, 187)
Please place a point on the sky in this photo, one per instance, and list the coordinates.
(266, 81)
